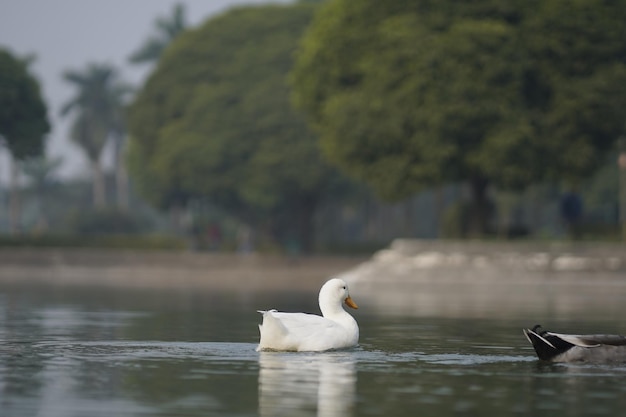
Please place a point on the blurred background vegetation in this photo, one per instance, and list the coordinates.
(335, 126)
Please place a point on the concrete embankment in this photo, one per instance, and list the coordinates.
(444, 278)
(412, 260)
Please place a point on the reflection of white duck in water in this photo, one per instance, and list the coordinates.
(335, 329)
(322, 384)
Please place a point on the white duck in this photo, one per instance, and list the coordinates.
(308, 332)
(557, 347)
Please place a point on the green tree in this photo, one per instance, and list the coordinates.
(23, 120)
(215, 121)
(408, 94)
(579, 56)
(167, 28)
(98, 109)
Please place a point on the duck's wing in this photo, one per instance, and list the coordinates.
(592, 340)
(299, 331)
(303, 325)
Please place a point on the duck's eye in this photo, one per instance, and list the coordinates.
(344, 287)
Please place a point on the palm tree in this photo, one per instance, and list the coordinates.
(167, 28)
(118, 135)
(99, 109)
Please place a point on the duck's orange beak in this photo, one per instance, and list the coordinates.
(350, 303)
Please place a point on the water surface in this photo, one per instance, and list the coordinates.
(102, 352)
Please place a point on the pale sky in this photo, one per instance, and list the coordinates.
(69, 34)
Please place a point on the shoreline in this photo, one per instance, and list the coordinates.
(167, 269)
(420, 278)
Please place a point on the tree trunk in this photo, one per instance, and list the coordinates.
(438, 207)
(121, 175)
(305, 219)
(14, 198)
(177, 220)
(99, 198)
(121, 185)
(480, 209)
(409, 218)
(621, 162)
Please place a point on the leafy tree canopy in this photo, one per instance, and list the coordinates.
(215, 120)
(412, 93)
(23, 119)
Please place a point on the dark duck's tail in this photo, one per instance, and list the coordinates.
(547, 345)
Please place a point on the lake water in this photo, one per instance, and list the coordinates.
(66, 351)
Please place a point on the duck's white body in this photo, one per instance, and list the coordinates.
(557, 347)
(335, 329)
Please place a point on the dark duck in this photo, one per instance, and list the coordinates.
(557, 347)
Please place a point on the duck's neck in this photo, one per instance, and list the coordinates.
(335, 312)
(340, 316)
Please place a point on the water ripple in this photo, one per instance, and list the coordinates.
(130, 350)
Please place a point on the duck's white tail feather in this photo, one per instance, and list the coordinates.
(270, 330)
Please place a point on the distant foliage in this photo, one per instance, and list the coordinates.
(141, 242)
(106, 222)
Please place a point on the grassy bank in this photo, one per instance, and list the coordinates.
(106, 242)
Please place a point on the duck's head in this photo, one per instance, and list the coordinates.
(333, 293)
